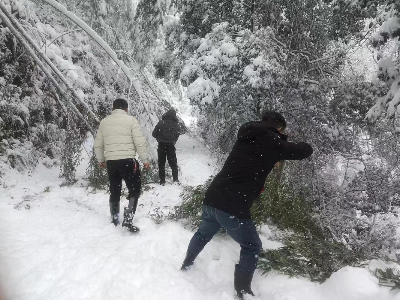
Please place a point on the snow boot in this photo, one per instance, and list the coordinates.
(128, 218)
(175, 174)
(161, 174)
(129, 213)
(188, 262)
(114, 211)
(242, 282)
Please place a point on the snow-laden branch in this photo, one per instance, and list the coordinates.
(48, 61)
(325, 58)
(312, 81)
(60, 36)
(99, 41)
(32, 53)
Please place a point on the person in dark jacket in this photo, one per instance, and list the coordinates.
(259, 146)
(166, 133)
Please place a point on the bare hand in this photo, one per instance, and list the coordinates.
(146, 166)
(102, 165)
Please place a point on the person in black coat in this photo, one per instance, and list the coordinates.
(259, 146)
(166, 133)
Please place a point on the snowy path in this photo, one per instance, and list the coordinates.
(57, 243)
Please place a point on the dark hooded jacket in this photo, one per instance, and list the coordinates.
(168, 129)
(257, 149)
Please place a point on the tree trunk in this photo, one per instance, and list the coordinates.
(253, 8)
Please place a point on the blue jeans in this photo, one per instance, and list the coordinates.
(242, 231)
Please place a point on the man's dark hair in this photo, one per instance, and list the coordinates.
(120, 104)
(274, 119)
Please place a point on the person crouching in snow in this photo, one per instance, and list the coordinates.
(167, 132)
(259, 146)
(118, 139)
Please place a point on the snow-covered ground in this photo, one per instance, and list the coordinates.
(57, 243)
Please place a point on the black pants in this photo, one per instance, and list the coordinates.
(128, 170)
(167, 151)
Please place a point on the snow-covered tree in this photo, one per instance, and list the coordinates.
(385, 17)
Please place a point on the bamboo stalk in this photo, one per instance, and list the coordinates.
(47, 60)
(32, 53)
(98, 40)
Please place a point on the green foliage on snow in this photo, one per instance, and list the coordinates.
(389, 277)
(191, 207)
(277, 204)
(284, 208)
(315, 259)
(150, 176)
(97, 177)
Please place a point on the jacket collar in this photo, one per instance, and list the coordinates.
(119, 111)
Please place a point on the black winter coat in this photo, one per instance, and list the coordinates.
(255, 153)
(168, 129)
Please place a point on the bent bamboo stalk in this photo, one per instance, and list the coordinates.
(32, 53)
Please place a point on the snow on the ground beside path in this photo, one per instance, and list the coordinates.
(57, 243)
(352, 283)
(278, 287)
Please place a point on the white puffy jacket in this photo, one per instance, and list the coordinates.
(119, 136)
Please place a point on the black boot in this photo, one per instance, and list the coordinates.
(129, 213)
(175, 174)
(242, 282)
(114, 211)
(161, 174)
(128, 218)
(188, 262)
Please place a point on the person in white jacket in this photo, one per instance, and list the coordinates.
(118, 140)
